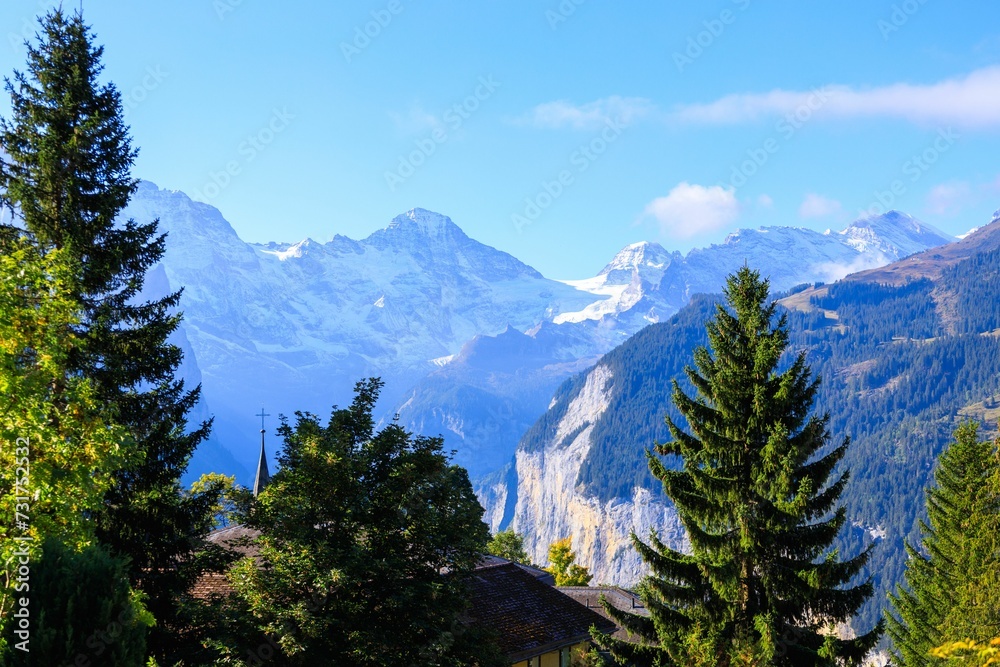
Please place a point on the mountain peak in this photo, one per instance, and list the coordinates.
(425, 222)
(893, 233)
(645, 259)
(996, 216)
(638, 255)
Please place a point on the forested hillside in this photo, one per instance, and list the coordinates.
(901, 366)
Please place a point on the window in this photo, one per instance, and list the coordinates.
(564, 657)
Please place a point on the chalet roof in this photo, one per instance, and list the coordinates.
(590, 597)
(545, 577)
(529, 616)
(236, 538)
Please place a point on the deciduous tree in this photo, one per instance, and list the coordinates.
(563, 565)
(365, 539)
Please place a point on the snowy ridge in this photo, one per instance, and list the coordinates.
(645, 283)
(470, 341)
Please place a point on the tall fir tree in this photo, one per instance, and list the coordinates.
(951, 590)
(67, 177)
(761, 585)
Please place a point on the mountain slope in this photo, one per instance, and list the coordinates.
(470, 341)
(294, 326)
(899, 371)
(643, 284)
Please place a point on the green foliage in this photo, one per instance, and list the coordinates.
(761, 585)
(946, 579)
(67, 176)
(82, 611)
(563, 565)
(366, 538)
(970, 653)
(975, 614)
(58, 444)
(221, 487)
(510, 545)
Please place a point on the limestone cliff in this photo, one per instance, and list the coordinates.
(550, 505)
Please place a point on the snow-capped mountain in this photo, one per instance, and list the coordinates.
(294, 326)
(644, 283)
(895, 235)
(470, 341)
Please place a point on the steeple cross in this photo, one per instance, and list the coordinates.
(262, 415)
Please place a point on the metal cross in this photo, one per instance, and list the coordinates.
(262, 415)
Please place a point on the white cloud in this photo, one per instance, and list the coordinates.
(415, 121)
(949, 198)
(765, 201)
(970, 101)
(690, 209)
(588, 116)
(818, 206)
(830, 272)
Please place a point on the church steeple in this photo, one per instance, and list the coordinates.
(263, 476)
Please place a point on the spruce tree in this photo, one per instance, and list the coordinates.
(951, 590)
(761, 585)
(67, 177)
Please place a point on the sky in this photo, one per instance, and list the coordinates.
(556, 130)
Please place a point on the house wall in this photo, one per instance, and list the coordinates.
(551, 659)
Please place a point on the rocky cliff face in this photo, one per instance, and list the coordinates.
(550, 506)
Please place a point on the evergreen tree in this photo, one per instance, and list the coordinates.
(90, 615)
(67, 176)
(944, 578)
(760, 586)
(365, 540)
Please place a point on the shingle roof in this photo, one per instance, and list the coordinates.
(236, 538)
(530, 617)
(209, 585)
(489, 560)
(590, 597)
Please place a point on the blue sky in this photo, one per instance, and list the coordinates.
(557, 130)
